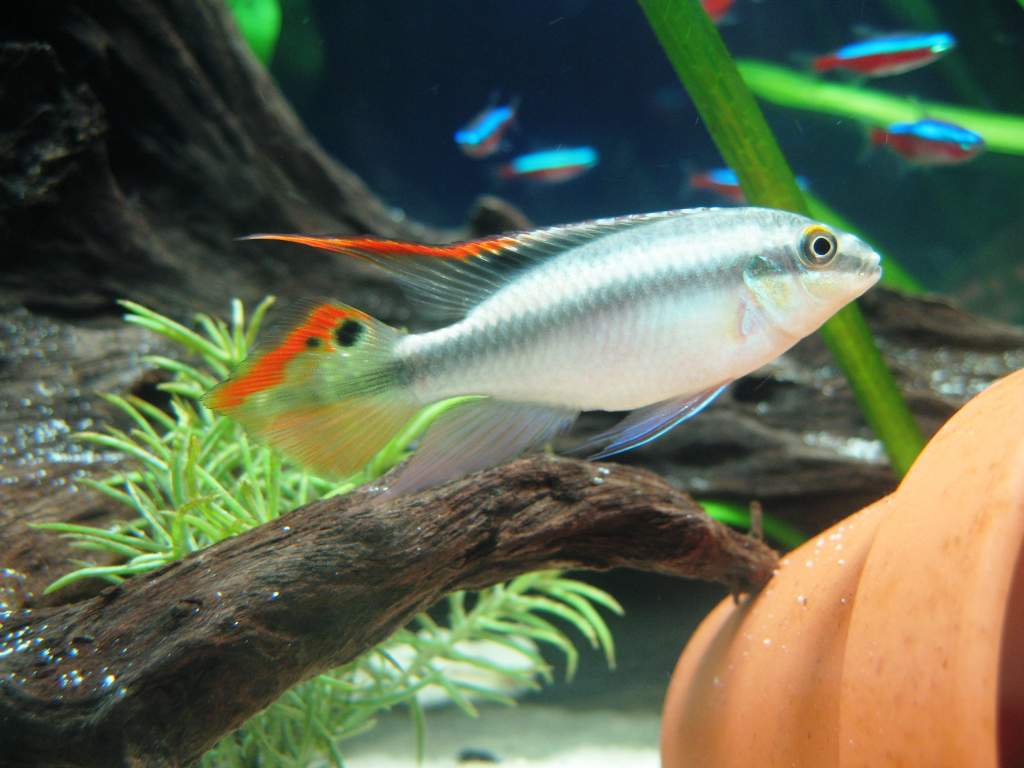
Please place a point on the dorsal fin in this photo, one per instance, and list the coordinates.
(457, 276)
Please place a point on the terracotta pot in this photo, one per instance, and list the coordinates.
(895, 638)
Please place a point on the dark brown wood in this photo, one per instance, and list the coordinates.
(169, 662)
(140, 139)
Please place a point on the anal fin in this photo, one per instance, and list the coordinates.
(646, 424)
(339, 438)
(478, 435)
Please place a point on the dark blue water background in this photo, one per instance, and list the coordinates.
(398, 78)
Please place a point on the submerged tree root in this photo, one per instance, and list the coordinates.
(155, 671)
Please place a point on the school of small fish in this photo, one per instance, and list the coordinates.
(725, 183)
(924, 142)
(654, 314)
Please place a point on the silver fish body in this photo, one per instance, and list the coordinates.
(666, 308)
(652, 314)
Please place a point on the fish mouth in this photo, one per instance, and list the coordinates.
(871, 267)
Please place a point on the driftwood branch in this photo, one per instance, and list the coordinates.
(153, 672)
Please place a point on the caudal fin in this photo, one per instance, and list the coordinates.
(320, 387)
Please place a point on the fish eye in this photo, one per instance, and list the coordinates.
(818, 246)
(312, 342)
(348, 333)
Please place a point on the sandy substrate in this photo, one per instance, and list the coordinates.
(533, 735)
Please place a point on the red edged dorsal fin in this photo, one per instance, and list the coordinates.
(373, 248)
(458, 276)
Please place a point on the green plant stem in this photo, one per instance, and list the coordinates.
(797, 90)
(747, 145)
(893, 275)
(849, 339)
(725, 104)
(737, 515)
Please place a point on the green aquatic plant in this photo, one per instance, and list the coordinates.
(747, 145)
(259, 21)
(798, 90)
(738, 516)
(198, 479)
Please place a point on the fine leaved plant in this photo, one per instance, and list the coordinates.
(197, 479)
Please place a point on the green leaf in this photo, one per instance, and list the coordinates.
(798, 90)
(173, 330)
(546, 605)
(259, 22)
(256, 323)
(785, 534)
(591, 593)
(104, 488)
(419, 725)
(549, 636)
(152, 413)
(593, 618)
(190, 374)
(124, 445)
(135, 543)
(136, 416)
(117, 572)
